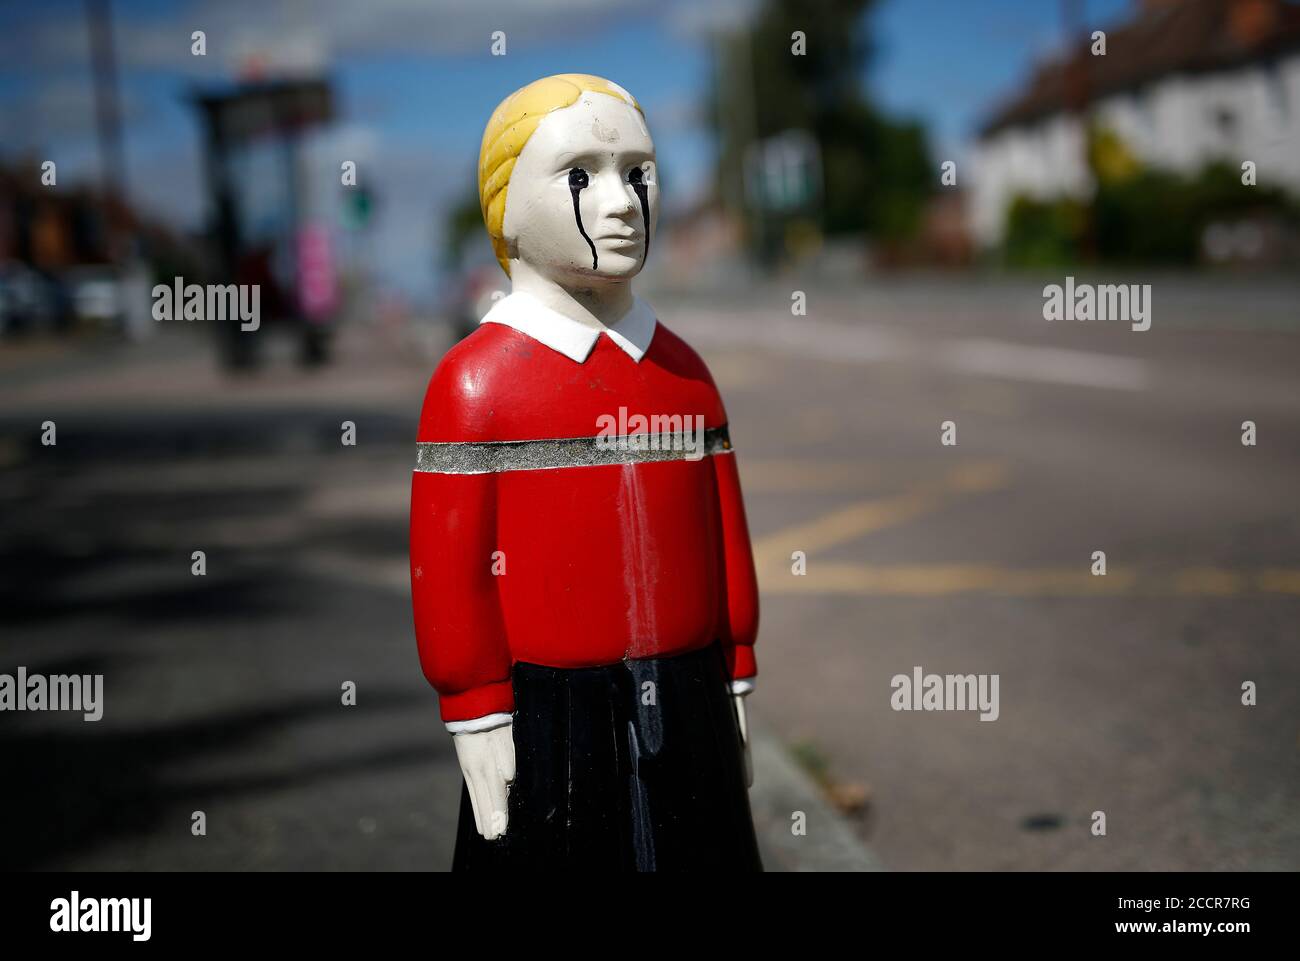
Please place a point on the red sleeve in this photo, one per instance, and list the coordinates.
(458, 621)
(740, 618)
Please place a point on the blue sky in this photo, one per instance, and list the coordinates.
(948, 62)
(416, 81)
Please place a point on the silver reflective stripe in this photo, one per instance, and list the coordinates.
(491, 457)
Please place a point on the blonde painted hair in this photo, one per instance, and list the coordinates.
(508, 130)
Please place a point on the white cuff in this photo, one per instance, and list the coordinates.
(476, 724)
(743, 686)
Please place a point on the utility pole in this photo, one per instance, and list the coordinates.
(108, 118)
(1076, 90)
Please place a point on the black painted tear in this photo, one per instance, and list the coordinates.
(635, 178)
(578, 182)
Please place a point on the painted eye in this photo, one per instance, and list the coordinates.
(578, 178)
(635, 176)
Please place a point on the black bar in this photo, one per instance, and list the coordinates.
(974, 911)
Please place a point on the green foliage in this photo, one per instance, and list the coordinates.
(1148, 216)
(1044, 233)
(1151, 217)
(902, 180)
(876, 173)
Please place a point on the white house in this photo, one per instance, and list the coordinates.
(1185, 83)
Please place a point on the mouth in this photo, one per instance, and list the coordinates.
(623, 239)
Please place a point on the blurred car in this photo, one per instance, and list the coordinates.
(29, 301)
(96, 295)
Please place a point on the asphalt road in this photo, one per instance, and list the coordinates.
(1118, 693)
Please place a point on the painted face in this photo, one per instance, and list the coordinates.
(584, 194)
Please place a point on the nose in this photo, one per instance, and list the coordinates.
(616, 198)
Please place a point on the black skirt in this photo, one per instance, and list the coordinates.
(631, 767)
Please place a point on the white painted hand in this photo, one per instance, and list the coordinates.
(744, 737)
(487, 759)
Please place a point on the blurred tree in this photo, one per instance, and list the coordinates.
(1044, 233)
(1141, 215)
(1156, 216)
(876, 172)
(463, 226)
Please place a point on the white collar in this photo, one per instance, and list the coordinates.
(528, 315)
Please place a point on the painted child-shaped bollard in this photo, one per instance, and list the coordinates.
(585, 600)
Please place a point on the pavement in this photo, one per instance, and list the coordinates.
(1119, 693)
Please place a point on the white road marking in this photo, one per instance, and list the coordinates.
(1056, 365)
(867, 343)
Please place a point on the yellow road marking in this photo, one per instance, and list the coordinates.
(856, 520)
(772, 554)
(1209, 581)
(841, 525)
(1278, 581)
(920, 580)
(930, 580)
